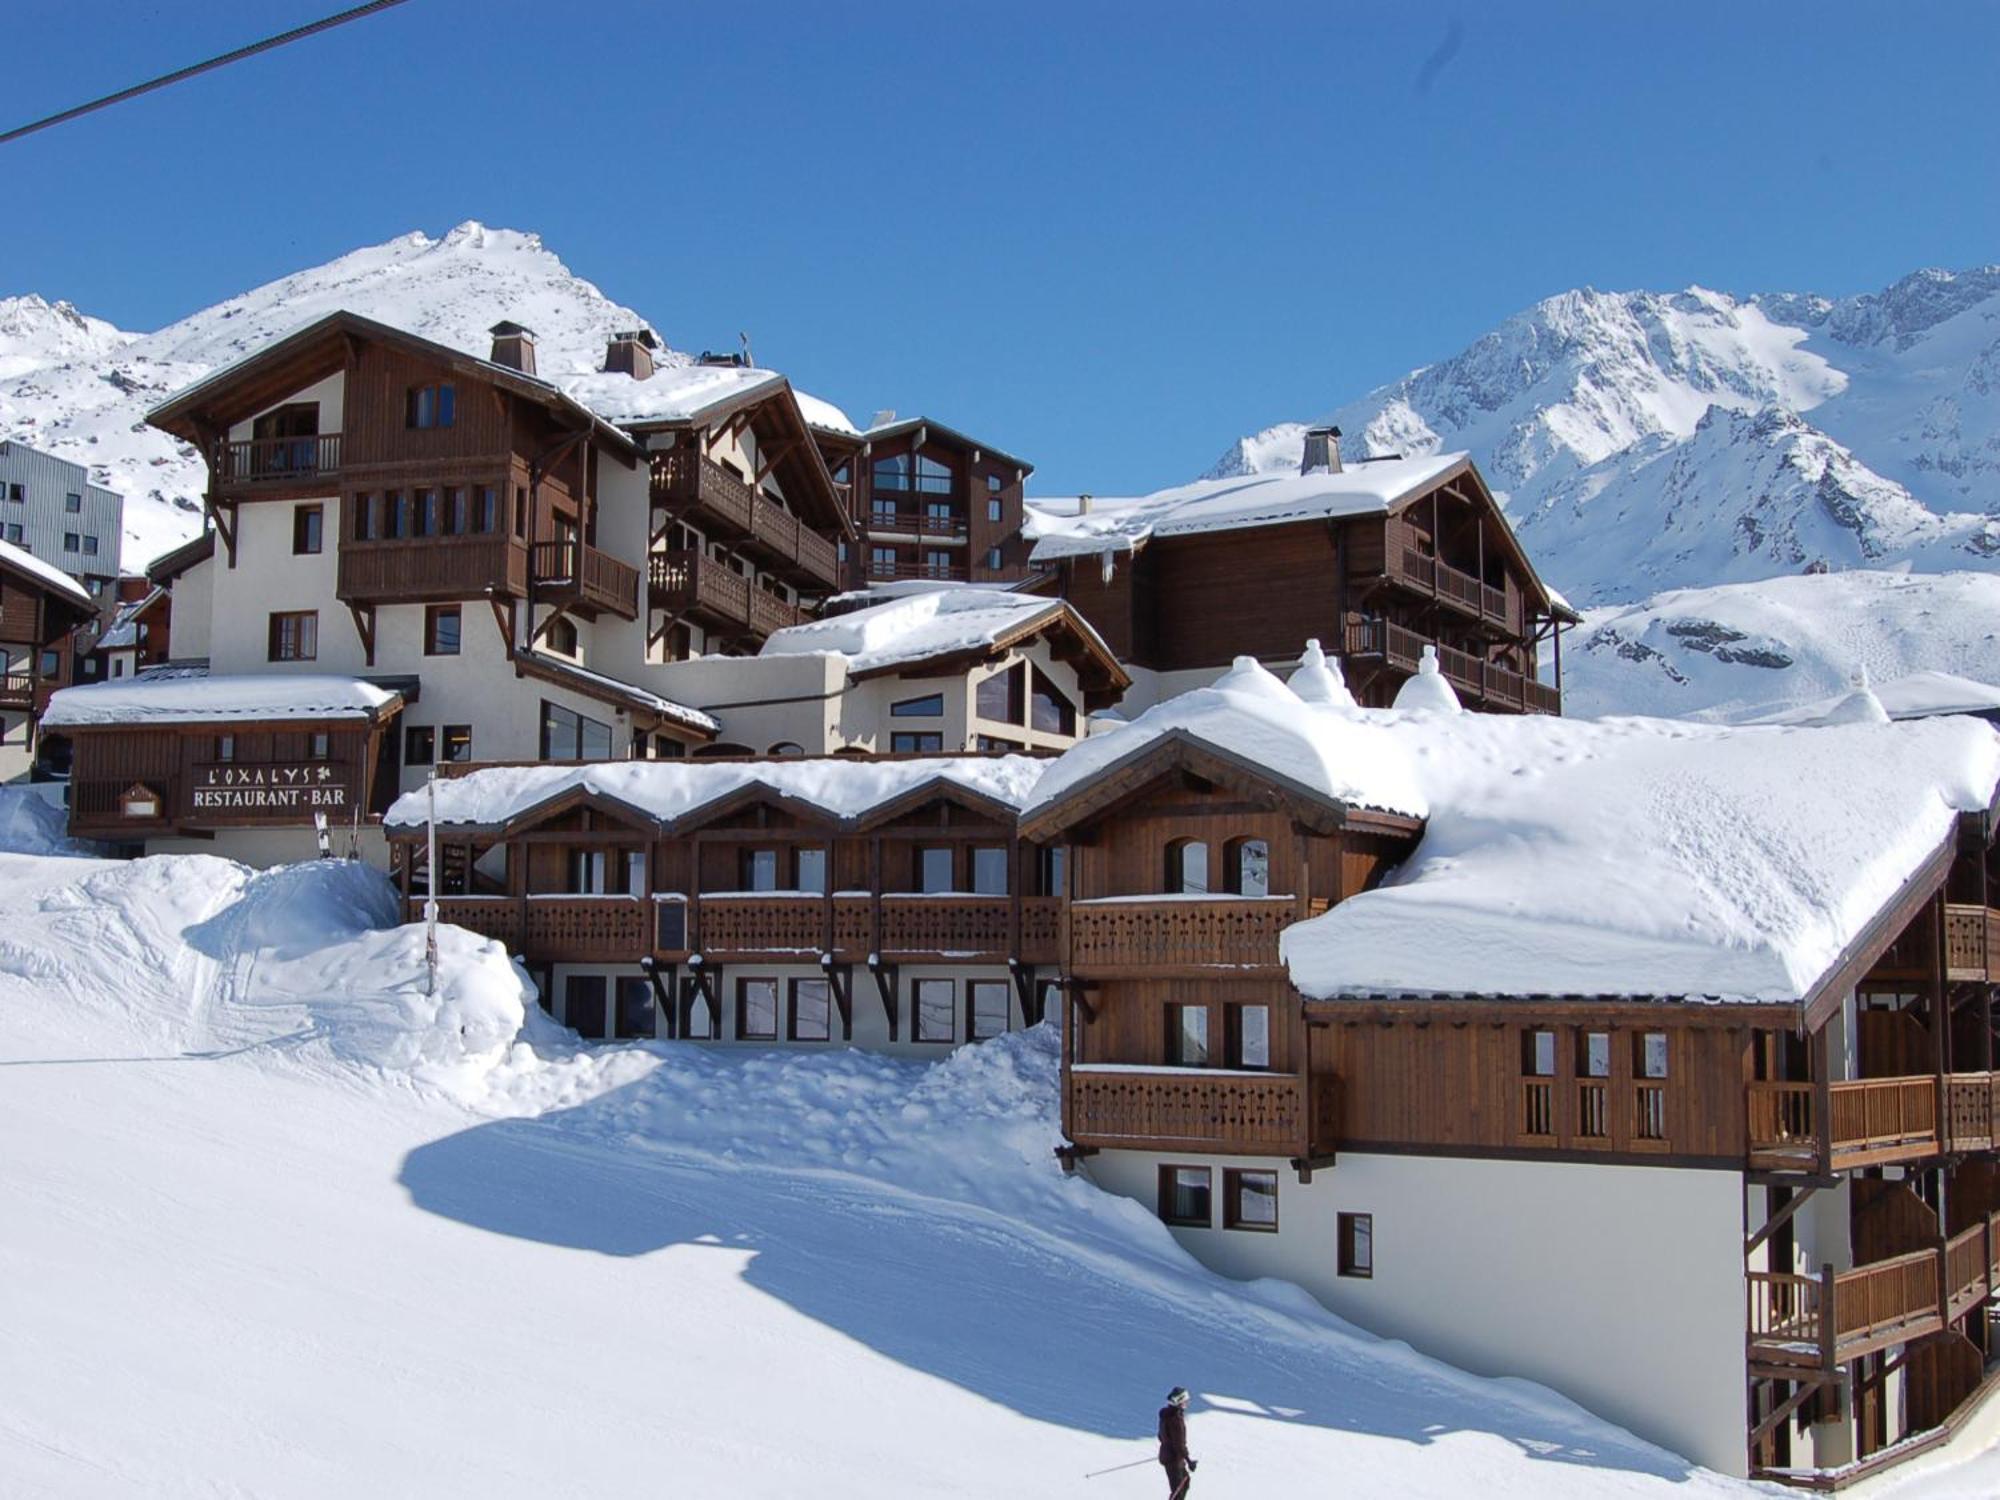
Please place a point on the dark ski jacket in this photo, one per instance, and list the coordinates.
(1173, 1435)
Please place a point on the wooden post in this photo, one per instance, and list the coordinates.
(1829, 1325)
(1822, 1066)
(1940, 1020)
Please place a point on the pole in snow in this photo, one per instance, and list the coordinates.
(1120, 1468)
(431, 889)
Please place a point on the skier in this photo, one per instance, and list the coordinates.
(1173, 1444)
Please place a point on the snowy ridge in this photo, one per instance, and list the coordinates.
(1759, 433)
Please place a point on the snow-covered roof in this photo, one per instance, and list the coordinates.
(923, 625)
(598, 685)
(671, 790)
(824, 414)
(192, 697)
(123, 631)
(672, 393)
(1920, 695)
(1639, 858)
(1058, 530)
(47, 574)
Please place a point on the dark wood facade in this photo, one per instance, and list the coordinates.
(1442, 569)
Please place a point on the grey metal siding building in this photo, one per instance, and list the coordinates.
(49, 506)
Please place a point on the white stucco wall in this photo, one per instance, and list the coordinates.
(193, 609)
(1622, 1287)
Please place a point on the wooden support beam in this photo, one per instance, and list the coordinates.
(885, 986)
(664, 991)
(1779, 1219)
(771, 461)
(840, 980)
(364, 626)
(1029, 992)
(1806, 1391)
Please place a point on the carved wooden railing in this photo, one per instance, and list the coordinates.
(17, 687)
(1487, 682)
(683, 477)
(581, 928)
(687, 582)
(765, 923)
(500, 918)
(1970, 950)
(1222, 933)
(285, 460)
(1972, 1111)
(1041, 930)
(1881, 1119)
(769, 613)
(1186, 1109)
(577, 570)
(792, 544)
(980, 926)
(432, 567)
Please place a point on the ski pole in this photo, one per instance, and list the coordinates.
(1117, 1467)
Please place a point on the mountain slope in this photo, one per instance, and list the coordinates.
(1868, 430)
(80, 388)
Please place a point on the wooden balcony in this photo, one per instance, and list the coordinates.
(1200, 1110)
(1972, 1111)
(1407, 565)
(17, 689)
(1826, 1320)
(576, 573)
(414, 570)
(769, 613)
(789, 547)
(917, 523)
(1185, 936)
(732, 510)
(1484, 683)
(1874, 1120)
(715, 597)
(891, 571)
(268, 467)
(1972, 943)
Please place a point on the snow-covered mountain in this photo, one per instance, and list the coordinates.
(1742, 650)
(78, 387)
(1644, 440)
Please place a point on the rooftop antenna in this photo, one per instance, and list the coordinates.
(745, 338)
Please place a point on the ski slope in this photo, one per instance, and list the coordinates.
(278, 1224)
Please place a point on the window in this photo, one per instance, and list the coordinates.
(1049, 710)
(319, 745)
(1247, 867)
(367, 519)
(759, 869)
(906, 743)
(1249, 1036)
(1054, 862)
(419, 744)
(455, 744)
(636, 1008)
(70, 541)
(1187, 867)
(1356, 1235)
(757, 1010)
(987, 1008)
(485, 509)
(937, 564)
(429, 406)
(993, 486)
(812, 870)
(1538, 1093)
(1250, 1200)
(1649, 1055)
(90, 546)
(994, 743)
(1649, 1069)
(882, 561)
(932, 1010)
(14, 532)
(583, 1004)
(882, 512)
(1538, 1054)
(307, 521)
(1187, 1036)
(424, 512)
(1000, 697)
(1593, 1054)
(1184, 1196)
(294, 635)
(561, 635)
(992, 507)
(931, 706)
(934, 870)
(395, 515)
(225, 747)
(14, 492)
(993, 557)
(73, 504)
(989, 871)
(567, 735)
(441, 623)
(812, 1011)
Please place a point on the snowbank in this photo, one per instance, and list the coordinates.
(33, 821)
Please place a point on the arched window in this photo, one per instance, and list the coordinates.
(1187, 867)
(721, 750)
(786, 747)
(1246, 867)
(561, 636)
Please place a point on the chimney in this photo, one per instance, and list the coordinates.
(631, 353)
(513, 346)
(1322, 451)
(1083, 505)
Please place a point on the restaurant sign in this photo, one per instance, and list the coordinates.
(313, 786)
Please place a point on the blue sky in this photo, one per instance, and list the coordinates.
(1107, 237)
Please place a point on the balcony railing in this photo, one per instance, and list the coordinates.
(1200, 1109)
(1873, 1120)
(1424, 573)
(1177, 934)
(769, 613)
(889, 571)
(917, 523)
(17, 688)
(278, 461)
(1971, 942)
(413, 569)
(1486, 682)
(1832, 1317)
(733, 510)
(571, 570)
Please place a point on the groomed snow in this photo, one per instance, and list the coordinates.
(282, 1223)
(919, 626)
(1227, 505)
(189, 697)
(671, 789)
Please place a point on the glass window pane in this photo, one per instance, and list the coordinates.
(596, 742)
(1253, 1036)
(1653, 1054)
(1253, 868)
(989, 1008)
(812, 1010)
(934, 871)
(1189, 1037)
(636, 1010)
(1187, 1195)
(989, 871)
(812, 870)
(1596, 1054)
(934, 1010)
(760, 870)
(1255, 1204)
(757, 1019)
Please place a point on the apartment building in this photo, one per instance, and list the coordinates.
(49, 508)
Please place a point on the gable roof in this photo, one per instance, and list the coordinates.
(46, 578)
(934, 429)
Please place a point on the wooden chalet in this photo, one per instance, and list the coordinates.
(723, 901)
(40, 607)
(1377, 559)
(1783, 1218)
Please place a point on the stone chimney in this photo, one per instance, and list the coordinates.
(513, 346)
(631, 353)
(1083, 505)
(1322, 451)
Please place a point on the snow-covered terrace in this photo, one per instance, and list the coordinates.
(1061, 528)
(924, 625)
(670, 791)
(185, 696)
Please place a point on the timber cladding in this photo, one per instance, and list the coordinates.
(1261, 592)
